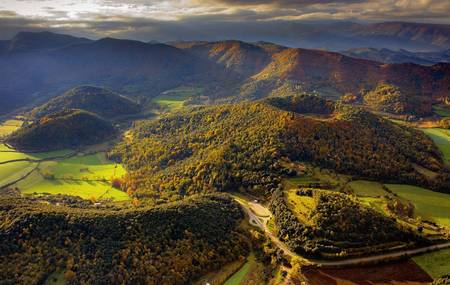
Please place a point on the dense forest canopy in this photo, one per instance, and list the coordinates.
(68, 128)
(239, 146)
(338, 226)
(170, 244)
(303, 104)
(97, 100)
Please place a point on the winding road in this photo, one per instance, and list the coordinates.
(255, 220)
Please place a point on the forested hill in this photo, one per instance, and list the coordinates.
(97, 100)
(121, 65)
(171, 244)
(230, 70)
(269, 69)
(64, 129)
(240, 147)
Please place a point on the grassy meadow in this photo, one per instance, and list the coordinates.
(427, 204)
(13, 171)
(9, 126)
(315, 176)
(86, 190)
(85, 176)
(436, 263)
(301, 206)
(441, 138)
(238, 277)
(7, 154)
(443, 111)
(175, 98)
(15, 164)
(364, 188)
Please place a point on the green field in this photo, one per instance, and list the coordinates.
(300, 181)
(365, 188)
(443, 111)
(436, 263)
(376, 203)
(84, 176)
(9, 126)
(441, 138)
(238, 277)
(11, 172)
(7, 154)
(174, 98)
(301, 206)
(83, 189)
(428, 204)
(92, 167)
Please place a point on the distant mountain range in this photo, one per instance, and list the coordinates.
(269, 69)
(346, 35)
(36, 66)
(399, 56)
(37, 70)
(30, 41)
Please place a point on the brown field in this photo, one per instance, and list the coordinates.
(399, 273)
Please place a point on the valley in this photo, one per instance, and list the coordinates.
(99, 174)
(220, 162)
(65, 172)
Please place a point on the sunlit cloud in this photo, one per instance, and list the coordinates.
(180, 19)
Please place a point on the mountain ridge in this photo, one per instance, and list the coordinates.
(399, 56)
(233, 70)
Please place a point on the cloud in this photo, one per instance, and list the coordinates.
(280, 21)
(278, 3)
(8, 14)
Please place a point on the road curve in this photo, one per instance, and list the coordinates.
(255, 221)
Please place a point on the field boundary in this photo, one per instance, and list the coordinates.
(21, 178)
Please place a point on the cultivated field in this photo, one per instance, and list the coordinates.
(399, 273)
(316, 177)
(8, 154)
(301, 206)
(85, 176)
(245, 271)
(9, 126)
(427, 204)
(174, 98)
(365, 188)
(443, 111)
(441, 138)
(436, 263)
(240, 276)
(13, 171)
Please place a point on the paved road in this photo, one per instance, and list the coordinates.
(255, 221)
(385, 256)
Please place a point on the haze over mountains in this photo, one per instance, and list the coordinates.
(399, 56)
(345, 35)
(36, 66)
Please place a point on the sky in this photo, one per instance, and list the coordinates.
(203, 19)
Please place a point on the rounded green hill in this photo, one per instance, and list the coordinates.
(100, 101)
(65, 129)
